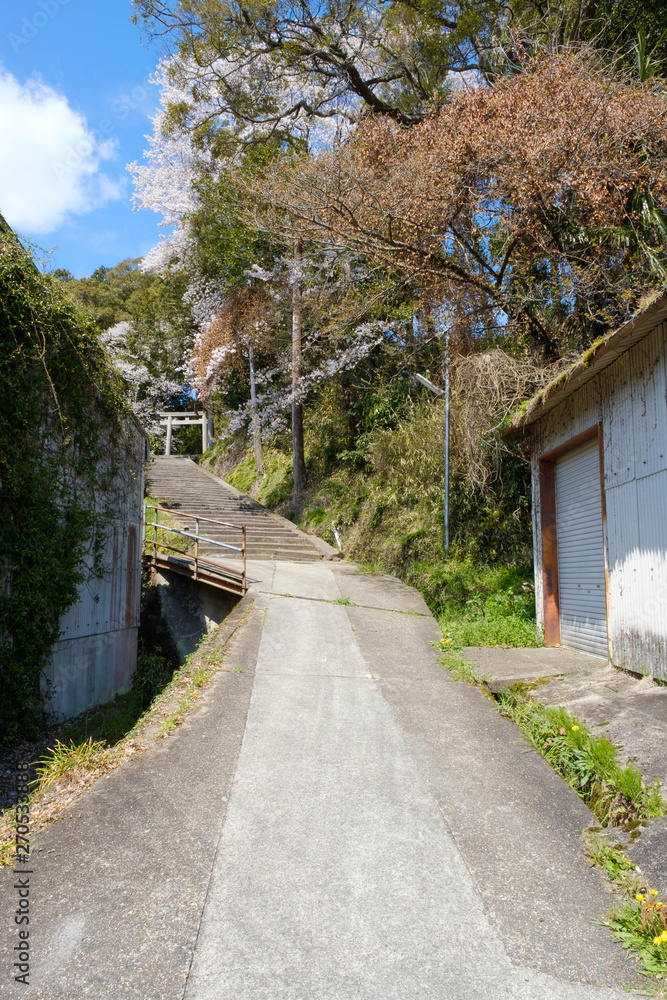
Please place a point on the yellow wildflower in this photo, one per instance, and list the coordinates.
(574, 728)
(639, 897)
(658, 939)
(653, 892)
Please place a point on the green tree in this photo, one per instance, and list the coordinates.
(245, 72)
(161, 321)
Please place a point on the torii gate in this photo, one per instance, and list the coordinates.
(172, 419)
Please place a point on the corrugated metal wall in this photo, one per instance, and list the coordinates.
(629, 399)
(96, 654)
(581, 582)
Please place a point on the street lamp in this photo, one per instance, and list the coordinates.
(442, 392)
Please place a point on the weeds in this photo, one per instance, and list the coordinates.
(616, 795)
(65, 758)
(503, 619)
(640, 923)
(68, 768)
(481, 605)
(588, 763)
(618, 869)
(641, 926)
(462, 670)
(151, 675)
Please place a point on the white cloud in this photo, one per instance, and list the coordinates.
(49, 158)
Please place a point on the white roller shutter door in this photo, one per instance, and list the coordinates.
(581, 583)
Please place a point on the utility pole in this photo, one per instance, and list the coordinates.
(298, 461)
(256, 426)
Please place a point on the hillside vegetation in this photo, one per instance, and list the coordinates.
(375, 464)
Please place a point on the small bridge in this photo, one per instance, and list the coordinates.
(185, 558)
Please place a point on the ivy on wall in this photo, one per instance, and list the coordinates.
(61, 408)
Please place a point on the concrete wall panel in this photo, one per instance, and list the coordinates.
(95, 657)
(89, 670)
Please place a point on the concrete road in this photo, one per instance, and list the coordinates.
(338, 821)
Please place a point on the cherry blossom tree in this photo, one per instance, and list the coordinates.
(147, 393)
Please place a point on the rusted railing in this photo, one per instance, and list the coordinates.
(202, 568)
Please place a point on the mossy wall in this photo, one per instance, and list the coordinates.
(61, 418)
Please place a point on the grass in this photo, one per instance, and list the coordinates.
(478, 605)
(107, 723)
(505, 618)
(464, 671)
(641, 926)
(588, 763)
(616, 866)
(64, 758)
(640, 922)
(110, 723)
(276, 484)
(615, 794)
(101, 739)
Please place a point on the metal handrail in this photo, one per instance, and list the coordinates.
(197, 538)
(201, 538)
(181, 513)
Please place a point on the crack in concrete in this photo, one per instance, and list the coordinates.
(344, 603)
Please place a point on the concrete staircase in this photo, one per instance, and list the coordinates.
(181, 484)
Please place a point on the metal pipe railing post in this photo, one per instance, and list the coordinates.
(243, 558)
(196, 546)
(155, 535)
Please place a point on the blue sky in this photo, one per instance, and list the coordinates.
(75, 99)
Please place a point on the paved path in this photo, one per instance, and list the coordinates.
(630, 711)
(339, 821)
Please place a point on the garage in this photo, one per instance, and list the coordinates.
(580, 546)
(597, 438)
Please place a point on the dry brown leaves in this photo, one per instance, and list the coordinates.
(516, 193)
(48, 804)
(222, 347)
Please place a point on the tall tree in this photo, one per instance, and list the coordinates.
(262, 69)
(537, 207)
(298, 459)
(243, 72)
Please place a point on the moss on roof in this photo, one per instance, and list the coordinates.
(518, 417)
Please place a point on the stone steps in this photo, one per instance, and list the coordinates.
(179, 484)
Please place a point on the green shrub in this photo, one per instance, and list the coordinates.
(153, 672)
(504, 618)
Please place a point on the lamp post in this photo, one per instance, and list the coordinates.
(443, 392)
